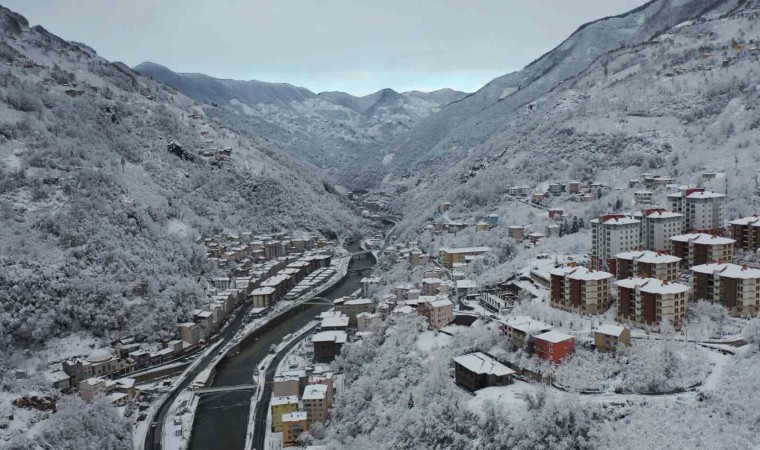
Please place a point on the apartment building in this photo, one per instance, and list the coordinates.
(438, 312)
(649, 302)
(479, 370)
(315, 402)
(612, 234)
(522, 329)
(647, 264)
(576, 288)
(451, 256)
(735, 287)
(354, 307)
(703, 211)
(293, 424)
(281, 406)
(554, 346)
(746, 233)
(657, 227)
(701, 248)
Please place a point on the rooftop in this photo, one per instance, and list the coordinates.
(527, 324)
(728, 270)
(315, 392)
(610, 330)
(465, 250)
(339, 337)
(581, 273)
(649, 257)
(481, 363)
(285, 400)
(294, 416)
(703, 238)
(554, 336)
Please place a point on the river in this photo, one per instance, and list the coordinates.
(221, 420)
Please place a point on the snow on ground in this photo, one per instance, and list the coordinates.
(512, 396)
(430, 340)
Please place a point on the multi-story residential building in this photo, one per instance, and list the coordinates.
(190, 332)
(262, 297)
(746, 232)
(657, 227)
(522, 329)
(643, 197)
(516, 232)
(285, 386)
(612, 234)
(735, 287)
(479, 370)
(607, 337)
(703, 211)
(554, 346)
(364, 321)
(519, 191)
(280, 406)
(649, 301)
(354, 307)
(576, 288)
(438, 312)
(701, 248)
(315, 402)
(293, 424)
(451, 256)
(327, 345)
(647, 264)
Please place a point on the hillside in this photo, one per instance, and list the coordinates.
(669, 105)
(100, 222)
(329, 131)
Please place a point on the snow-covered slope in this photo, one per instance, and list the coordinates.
(99, 221)
(445, 137)
(326, 130)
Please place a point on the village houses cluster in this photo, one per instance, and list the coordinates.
(261, 270)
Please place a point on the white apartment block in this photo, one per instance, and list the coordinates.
(612, 234)
(657, 227)
(703, 211)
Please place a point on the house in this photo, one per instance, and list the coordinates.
(354, 307)
(556, 188)
(700, 248)
(522, 329)
(703, 211)
(539, 197)
(293, 424)
(643, 197)
(59, 380)
(262, 297)
(649, 302)
(735, 287)
(607, 337)
(315, 402)
(657, 227)
(554, 346)
(519, 191)
(576, 288)
(482, 226)
(574, 187)
(286, 386)
(552, 230)
(534, 238)
(612, 234)
(492, 219)
(466, 287)
(647, 264)
(334, 322)
(430, 285)
(443, 207)
(746, 233)
(516, 232)
(478, 370)
(451, 256)
(364, 321)
(556, 213)
(438, 313)
(367, 284)
(281, 406)
(327, 345)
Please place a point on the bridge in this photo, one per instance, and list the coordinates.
(213, 390)
(317, 301)
(349, 255)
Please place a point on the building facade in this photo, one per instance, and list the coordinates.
(700, 248)
(735, 287)
(578, 289)
(647, 264)
(703, 211)
(612, 234)
(650, 302)
(746, 233)
(657, 227)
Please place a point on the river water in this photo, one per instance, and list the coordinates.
(221, 420)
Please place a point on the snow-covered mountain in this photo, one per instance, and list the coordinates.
(101, 217)
(328, 130)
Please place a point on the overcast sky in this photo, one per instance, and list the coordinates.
(356, 46)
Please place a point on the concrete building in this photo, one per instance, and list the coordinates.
(522, 329)
(608, 337)
(516, 232)
(703, 211)
(554, 346)
(451, 256)
(649, 302)
(478, 370)
(286, 386)
(315, 402)
(438, 313)
(354, 307)
(700, 248)
(190, 332)
(293, 424)
(643, 197)
(364, 321)
(735, 287)
(327, 345)
(578, 289)
(647, 264)
(657, 227)
(281, 406)
(519, 191)
(746, 233)
(612, 234)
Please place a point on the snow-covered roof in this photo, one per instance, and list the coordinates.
(284, 400)
(335, 321)
(553, 336)
(339, 337)
(703, 238)
(294, 416)
(527, 324)
(483, 364)
(581, 273)
(58, 375)
(658, 214)
(705, 194)
(465, 250)
(754, 220)
(315, 392)
(99, 355)
(358, 301)
(655, 286)
(648, 257)
(728, 270)
(466, 284)
(626, 220)
(631, 283)
(610, 330)
(440, 303)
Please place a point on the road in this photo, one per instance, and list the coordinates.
(262, 405)
(153, 436)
